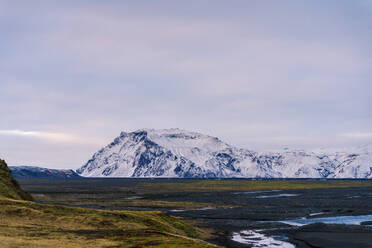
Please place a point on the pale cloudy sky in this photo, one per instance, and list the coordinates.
(257, 74)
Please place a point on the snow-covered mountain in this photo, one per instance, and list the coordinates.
(179, 153)
(22, 172)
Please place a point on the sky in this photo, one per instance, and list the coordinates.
(261, 75)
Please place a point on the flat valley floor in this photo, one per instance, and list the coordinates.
(238, 212)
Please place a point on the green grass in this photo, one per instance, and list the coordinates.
(248, 185)
(92, 200)
(8, 186)
(113, 193)
(25, 223)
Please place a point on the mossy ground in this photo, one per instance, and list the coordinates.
(24, 223)
(142, 193)
(250, 185)
(10, 187)
(30, 224)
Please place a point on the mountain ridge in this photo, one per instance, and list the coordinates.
(184, 154)
(28, 172)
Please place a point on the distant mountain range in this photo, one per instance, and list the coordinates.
(183, 154)
(28, 172)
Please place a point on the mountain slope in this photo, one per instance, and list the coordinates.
(179, 153)
(29, 224)
(163, 153)
(9, 187)
(23, 172)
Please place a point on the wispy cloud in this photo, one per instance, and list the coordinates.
(358, 135)
(50, 136)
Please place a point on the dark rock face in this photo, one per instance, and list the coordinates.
(27, 172)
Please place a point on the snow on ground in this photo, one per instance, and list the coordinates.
(256, 239)
(347, 220)
(274, 196)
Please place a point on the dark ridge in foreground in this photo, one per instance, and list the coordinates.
(9, 187)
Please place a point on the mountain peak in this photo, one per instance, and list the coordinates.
(168, 132)
(179, 153)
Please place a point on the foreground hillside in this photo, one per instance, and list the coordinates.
(177, 153)
(8, 186)
(28, 224)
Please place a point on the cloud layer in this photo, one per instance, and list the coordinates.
(261, 75)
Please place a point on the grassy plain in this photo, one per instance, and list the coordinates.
(249, 185)
(39, 225)
(28, 224)
(24, 223)
(144, 193)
